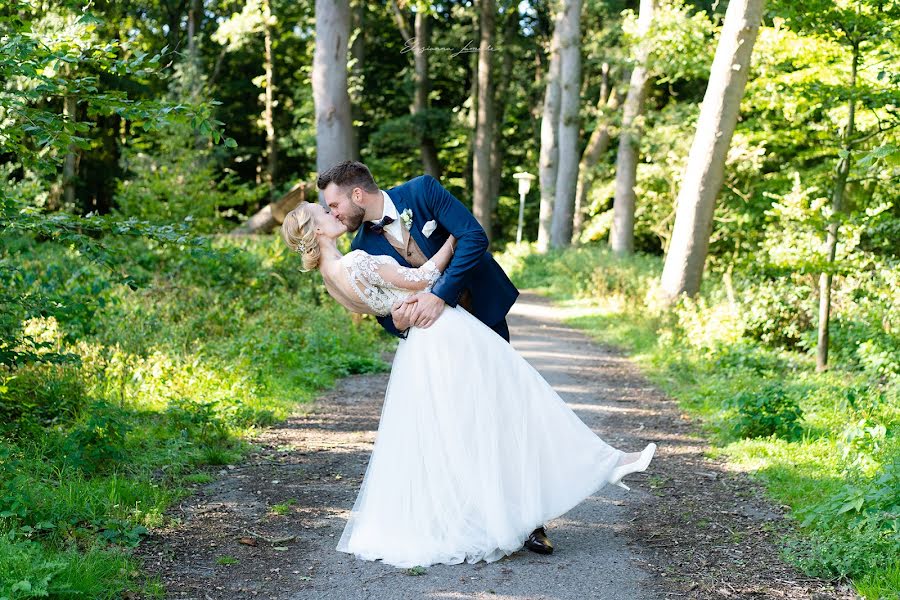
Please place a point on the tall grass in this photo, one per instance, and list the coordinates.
(161, 383)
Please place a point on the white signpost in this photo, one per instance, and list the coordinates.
(525, 180)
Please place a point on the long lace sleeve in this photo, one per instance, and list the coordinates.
(379, 281)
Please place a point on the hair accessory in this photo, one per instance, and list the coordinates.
(301, 248)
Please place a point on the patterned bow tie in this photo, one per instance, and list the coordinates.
(378, 226)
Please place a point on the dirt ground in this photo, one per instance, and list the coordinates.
(689, 528)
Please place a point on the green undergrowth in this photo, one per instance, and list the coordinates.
(148, 391)
(742, 359)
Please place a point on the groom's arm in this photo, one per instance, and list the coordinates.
(389, 326)
(472, 242)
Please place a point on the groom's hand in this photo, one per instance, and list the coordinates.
(426, 309)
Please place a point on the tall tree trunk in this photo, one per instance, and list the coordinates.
(472, 115)
(598, 144)
(195, 15)
(193, 82)
(549, 156)
(421, 103)
(334, 139)
(70, 111)
(484, 126)
(705, 168)
(421, 35)
(621, 237)
(269, 114)
(569, 105)
(358, 58)
(510, 30)
(837, 207)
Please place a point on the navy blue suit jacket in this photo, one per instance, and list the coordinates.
(472, 266)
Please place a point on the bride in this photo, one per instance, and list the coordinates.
(474, 448)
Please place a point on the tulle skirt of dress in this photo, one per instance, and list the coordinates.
(474, 450)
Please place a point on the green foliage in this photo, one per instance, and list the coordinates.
(767, 411)
(98, 443)
(48, 395)
(169, 374)
(28, 570)
(170, 180)
(779, 311)
(57, 54)
(824, 443)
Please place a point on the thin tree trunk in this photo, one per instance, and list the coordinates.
(420, 37)
(705, 168)
(358, 57)
(193, 82)
(334, 137)
(598, 144)
(420, 103)
(549, 156)
(837, 207)
(400, 19)
(621, 237)
(70, 108)
(510, 29)
(194, 15)
(484, 126)
(269, 114)
(569, 126)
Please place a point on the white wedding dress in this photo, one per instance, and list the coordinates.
(474, 449)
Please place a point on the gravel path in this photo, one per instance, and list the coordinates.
(689, 527)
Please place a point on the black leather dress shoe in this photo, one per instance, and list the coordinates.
(539, 542)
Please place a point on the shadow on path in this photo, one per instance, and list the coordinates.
(688, 528)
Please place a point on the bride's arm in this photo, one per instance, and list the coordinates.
(442, 257)
(384, 271)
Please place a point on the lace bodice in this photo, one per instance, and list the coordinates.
(380, 281)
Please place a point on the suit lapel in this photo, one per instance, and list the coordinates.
(414, 231)
(400, 205)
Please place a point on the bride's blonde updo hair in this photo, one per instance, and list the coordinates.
(299, 232)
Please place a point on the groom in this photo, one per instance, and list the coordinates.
(411, 222)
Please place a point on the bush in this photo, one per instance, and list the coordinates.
(778, 312)
(767, 411)
(46, 394)
(99, 443)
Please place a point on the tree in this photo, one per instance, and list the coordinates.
(570, 101)
(860, 27)
(482, 203)
(40, 132)
(549, 153)
(234, 33)
(598, 143)
(621, 237)
(510, 31)
(334, 136)
(705, 167)
(420, 38)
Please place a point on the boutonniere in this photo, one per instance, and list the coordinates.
(406, 217)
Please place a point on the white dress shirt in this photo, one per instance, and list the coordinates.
(395, 229)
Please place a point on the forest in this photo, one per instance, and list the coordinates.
(716, 191)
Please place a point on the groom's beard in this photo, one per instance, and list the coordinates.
(353, 220)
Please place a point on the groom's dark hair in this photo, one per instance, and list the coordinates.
(348, 174)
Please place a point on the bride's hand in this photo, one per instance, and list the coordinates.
(401, 312)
